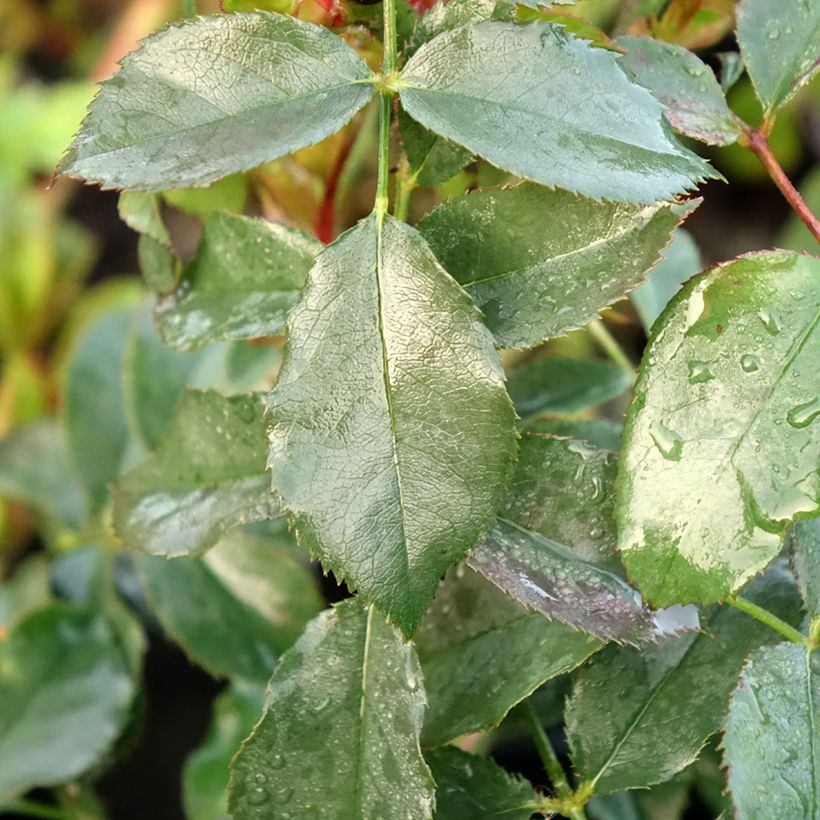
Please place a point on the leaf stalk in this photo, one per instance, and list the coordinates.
(386, 91)
(771, 620)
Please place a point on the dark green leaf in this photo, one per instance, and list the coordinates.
(731, 69)
(212, 95)
(235, 610)
(391, 433)
(205, 778)
(207, 475)
(772, 735)
(680, 261)
(530, 99)
(574, 578)
(693, 101)
(556, 384)
(719, 450)
(158, 265)
(482, 652)
(245, 277)
(340, 734)
(637, 717)
(780, 44)
(65, 691)
(473, 788)
(432, 158)
(535, 278)
(805, 544)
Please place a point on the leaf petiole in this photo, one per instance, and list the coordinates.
(609, 344)
(771, 620)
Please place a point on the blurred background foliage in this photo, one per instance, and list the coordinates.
(76, 339)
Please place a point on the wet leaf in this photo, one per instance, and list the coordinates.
(445, 16)
(246, 275)
(535, 279)
(805, 546)
(243, 89)
(720, 449)
(482, 652)
(207, 476)
(475, 788)
(693, 100)
(529, 98)
(348, 698)
(391, 433)
(599, 432)
(637, 717)
(432, 158)
(772, 737)
(780, 44)
(65, 692)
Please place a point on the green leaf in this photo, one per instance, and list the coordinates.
(772, 735)
(349, 700)
(795, 235)
(474, 788)
(805, 544)
(563, 565)
(731, 69)
(637, 717)
(719, 450)
(207, 476)
(529, 99)
(557, 384)
(143, 213)
(780, 43)
(391, 433)
(535, 279)
(680, 261)
(482, 652)
(158, 265)
(246, 275)
(445, 16)
(235, 610)
(65, 692)
(693, 101)
(28, 589)
(227, 194)
(599, 432)
(213, 95)
(206, 774)
(432, 158)
(94, 414)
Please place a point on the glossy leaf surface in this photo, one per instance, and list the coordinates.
(212, 95)
(637, 717)
(771, 743)
(528, 99)
(534, 278)
(557, 384)
(805, 544)
(245, 277)
(348, 698)
(207, 475)
(721, 448)
(780, 44)
(482, 652)
(236, 609)
(693, 100)
(391, 433)
(65, 691)
(474, 788)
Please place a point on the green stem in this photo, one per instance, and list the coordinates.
(405, 185)
(609, 344)
(34, 809)
(389, 63)
(189, 8)
(771, 620)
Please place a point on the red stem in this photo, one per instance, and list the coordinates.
(760, 145)
(326, 215)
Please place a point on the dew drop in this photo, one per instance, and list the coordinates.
(749, 362)
(699, 372)
(802, 415)
(668, 442)
(260, 778)
(769, 321)
(258, 796)
(276, 761)
(283, 796)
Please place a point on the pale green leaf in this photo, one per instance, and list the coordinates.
(235, 610)
(143, 213)
(207, 476)
(445, 16)
(391, 433)
(535, 278)
(212, 95)
(158, 265)
(721, 450)
(693, 101)
(805, 547)
(780, 44)
(26, 590)
(246, 275)
(482, 652)
(637, 717)
(771, 743)
(546, 106)
(340, 732)
(432, 159)
(795, 235)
